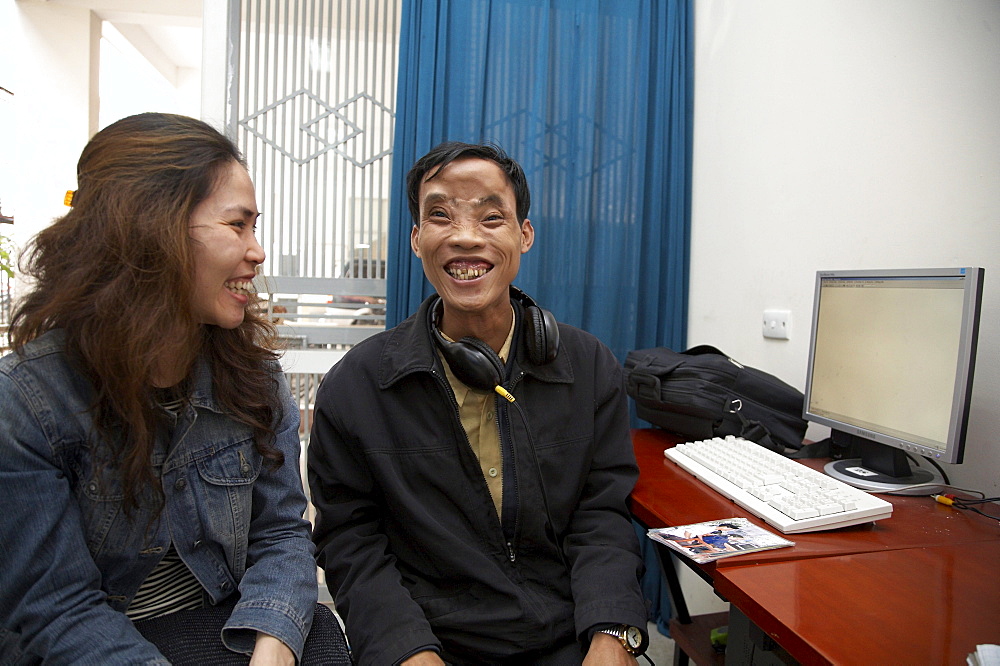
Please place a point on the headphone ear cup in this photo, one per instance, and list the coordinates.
(472, 361)
(542, 332)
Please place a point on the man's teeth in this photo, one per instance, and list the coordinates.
(467, 273)
(241, 286)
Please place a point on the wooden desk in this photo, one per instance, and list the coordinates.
(666, 495)
(912, 606)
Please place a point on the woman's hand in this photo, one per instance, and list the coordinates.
(269, 651)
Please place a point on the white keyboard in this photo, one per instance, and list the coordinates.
(784, 493)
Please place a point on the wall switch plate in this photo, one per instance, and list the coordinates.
(777, 324)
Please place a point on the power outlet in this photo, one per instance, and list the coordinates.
(777, 324)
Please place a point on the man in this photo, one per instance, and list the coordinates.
(455, 526)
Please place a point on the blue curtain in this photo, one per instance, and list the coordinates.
(594, 99)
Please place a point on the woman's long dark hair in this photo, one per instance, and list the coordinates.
(116, 274)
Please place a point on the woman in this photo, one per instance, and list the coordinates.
(149, 446)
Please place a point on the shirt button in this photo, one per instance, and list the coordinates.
(489, 415)
(493, 471)
(180, 484)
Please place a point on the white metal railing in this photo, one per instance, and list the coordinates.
(312, 109)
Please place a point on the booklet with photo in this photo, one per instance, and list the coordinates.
(705, 542)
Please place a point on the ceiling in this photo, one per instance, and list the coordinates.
(166, 32)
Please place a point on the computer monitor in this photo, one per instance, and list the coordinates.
(891, 360)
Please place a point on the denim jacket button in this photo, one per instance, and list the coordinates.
(196, 544)
(224, 586)
(180, 484)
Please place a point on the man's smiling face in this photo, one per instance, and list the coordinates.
(469, 238)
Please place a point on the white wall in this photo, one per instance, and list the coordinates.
(49, 70)
(838, 134)
(53, 68)
(215, 47)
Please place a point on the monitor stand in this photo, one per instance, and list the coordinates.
(882, 469)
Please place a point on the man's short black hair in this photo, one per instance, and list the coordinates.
(449, 151)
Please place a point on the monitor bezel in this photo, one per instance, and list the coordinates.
(962, 391)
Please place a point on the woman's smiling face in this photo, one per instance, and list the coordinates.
(226, 251)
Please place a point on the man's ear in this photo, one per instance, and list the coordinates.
(527, 235)
(414, 240)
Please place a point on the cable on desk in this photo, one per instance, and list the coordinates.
(933, 489)
(970, 504)
(948, 499)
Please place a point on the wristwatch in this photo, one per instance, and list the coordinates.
(630, 638)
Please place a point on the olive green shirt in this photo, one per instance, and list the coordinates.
(477, 410)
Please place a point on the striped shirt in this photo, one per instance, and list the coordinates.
(170, 587)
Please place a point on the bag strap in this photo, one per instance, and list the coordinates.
(641, 381)
(755, 431)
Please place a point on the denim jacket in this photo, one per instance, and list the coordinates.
(71, 560)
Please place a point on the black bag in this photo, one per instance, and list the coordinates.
(702, 393)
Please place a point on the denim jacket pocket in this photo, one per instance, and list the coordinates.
(235, 465)
(229, 475)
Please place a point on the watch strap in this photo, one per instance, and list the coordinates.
(620, 631)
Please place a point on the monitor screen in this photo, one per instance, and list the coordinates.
(891, 362)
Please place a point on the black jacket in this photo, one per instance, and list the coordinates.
(406, 529)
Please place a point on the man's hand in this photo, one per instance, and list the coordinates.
(606, 650)
(425, 658)
(269, 651)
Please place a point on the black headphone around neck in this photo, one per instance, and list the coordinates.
(474, 362)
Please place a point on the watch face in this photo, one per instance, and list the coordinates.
(634, 637)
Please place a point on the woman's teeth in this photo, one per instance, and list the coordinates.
(241, 287)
